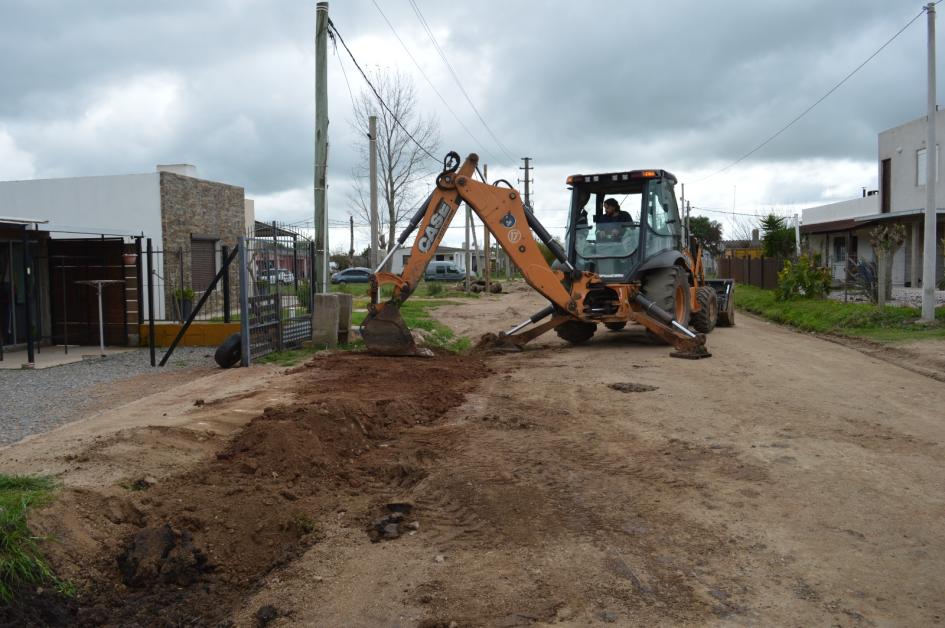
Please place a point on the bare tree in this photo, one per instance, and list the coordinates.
(402, 165)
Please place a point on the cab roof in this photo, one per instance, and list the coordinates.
(617, 178)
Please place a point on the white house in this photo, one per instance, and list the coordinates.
(839, 232)
(93, 221)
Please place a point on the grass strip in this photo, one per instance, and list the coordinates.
(21, 561)
(859, 320)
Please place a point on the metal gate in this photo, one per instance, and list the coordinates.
(276, 286)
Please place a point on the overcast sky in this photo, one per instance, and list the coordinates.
(112, 87)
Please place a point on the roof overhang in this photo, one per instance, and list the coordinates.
(908, 213)
(13, 220)
(832, 225)
(848, 224)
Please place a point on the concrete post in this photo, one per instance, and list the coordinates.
(325, 320)
(930, 247)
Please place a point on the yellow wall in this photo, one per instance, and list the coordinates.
(198, 334)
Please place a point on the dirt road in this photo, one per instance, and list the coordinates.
(785, 481)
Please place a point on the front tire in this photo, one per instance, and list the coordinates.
(669, 289)
(576, 332)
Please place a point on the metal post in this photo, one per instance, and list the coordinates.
(311, 283)
(278, 300)
(685, 207)
(372, 124)
(28, 295)
(65, 307)
(295, 263)
(101, 321)
(138, 273)
(151, 303)
(245, 358)
(321, 139)
(931, 168)
(225, 252)
(468, 253)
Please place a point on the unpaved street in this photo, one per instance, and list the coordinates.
(787, 480)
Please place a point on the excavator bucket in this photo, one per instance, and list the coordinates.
(386, 333)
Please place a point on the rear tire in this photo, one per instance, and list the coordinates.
(229, 352)
(668, 288)
(576, 332)
(615, 326)
(705, 319)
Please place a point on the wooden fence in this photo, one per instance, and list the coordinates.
(762, 273)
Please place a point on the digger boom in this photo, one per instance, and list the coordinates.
(511, 223)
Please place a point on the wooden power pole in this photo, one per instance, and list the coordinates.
(372, 122)
(351, 243)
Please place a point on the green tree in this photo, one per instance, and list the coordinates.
(777, 237)
(708, 233)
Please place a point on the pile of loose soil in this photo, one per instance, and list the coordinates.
(188, 548)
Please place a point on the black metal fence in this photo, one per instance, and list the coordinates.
(276, 287)
(181, 276)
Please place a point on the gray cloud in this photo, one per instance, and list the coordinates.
(113, 86)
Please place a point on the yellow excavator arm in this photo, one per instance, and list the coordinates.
(512, 224)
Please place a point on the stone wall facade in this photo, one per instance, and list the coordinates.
(191, 209)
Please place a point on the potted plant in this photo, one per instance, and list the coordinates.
(185, 299)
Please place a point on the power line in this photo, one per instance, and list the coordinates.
(344, 74)
(334, 29)
(476, 140)
(817, 102)
(459, 83)
(731, 213)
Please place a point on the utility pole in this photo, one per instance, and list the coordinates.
(797, 235)
(351, 244)
(466, 246)
(528, 196)
(527, 180)
(372, 122)
(485, 238)
(321, 143)
(931, 169)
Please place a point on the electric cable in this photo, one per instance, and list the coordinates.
(817, 102)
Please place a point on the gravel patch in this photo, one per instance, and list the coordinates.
(38, 401)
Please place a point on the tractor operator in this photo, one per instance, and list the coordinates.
(613, 213)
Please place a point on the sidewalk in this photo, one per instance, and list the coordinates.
(57, 356)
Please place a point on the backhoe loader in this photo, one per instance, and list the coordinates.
(618, 268)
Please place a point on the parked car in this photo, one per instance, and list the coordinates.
(444, 271)
(357, 274)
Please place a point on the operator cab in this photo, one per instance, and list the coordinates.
(613, 244)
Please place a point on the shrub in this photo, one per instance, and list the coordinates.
(802, 278)
(434, 288)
